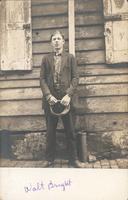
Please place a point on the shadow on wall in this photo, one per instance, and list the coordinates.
(5, 144)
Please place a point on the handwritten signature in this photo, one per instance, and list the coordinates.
(50, 186)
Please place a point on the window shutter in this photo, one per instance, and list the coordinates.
(116, 31)
(16, 39)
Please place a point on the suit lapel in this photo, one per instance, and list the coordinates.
(51, 62)
(63, 61)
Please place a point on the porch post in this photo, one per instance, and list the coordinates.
(71, 25)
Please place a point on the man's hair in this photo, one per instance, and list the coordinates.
(56, 32)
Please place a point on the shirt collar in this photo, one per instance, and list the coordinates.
(58, 53)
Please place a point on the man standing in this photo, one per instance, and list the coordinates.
(58, 80)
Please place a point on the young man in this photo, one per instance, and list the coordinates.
(58, 80)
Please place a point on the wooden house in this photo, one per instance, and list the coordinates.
(96, 31)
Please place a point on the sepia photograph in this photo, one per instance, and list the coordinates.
(64, 84)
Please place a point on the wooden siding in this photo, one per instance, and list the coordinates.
(92, 122)
(103, 90)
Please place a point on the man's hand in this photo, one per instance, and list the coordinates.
(65, 100)
(52, 100)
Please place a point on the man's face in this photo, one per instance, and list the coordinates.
(57, 41)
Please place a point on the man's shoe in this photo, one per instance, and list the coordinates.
(47, 164)
(77, 164)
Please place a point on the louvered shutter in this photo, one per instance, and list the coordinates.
(16, 39)
(116, 31)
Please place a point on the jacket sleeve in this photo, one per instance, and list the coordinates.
(43, 77)
(74, 77)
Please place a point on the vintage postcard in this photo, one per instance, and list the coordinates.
(64, 99)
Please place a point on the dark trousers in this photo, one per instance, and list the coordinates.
(51, 123)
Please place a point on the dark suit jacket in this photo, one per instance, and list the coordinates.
(68, 73)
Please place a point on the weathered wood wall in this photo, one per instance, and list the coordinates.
(22, 88)
(103, 90)
(100, 85)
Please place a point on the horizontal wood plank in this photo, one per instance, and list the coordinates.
(88, 6)
(83, 91)
(88, 70)
(42, 2)
(103, 104)
(61, 7)
(89, 19)
(80, 33)
(89, 57)
(88, 105)
(17, 108)
(62, 21)
(88, 80)
(104, 79)
(44, 47)
(90, 123)
(44, 35)
(19, 83)
(19, 94)
(34, 74)
(103, 90)
(89, 31)
(50, 9)
(89, 44)
(26, 123)
(102, 122)
(102, 69)
(80, 45)
(50, 22)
